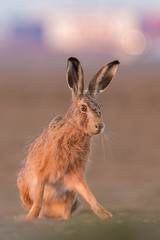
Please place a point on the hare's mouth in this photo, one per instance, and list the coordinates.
(98, 130)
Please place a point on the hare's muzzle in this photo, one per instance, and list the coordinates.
(99, 128)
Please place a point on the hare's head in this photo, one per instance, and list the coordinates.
(86, 112)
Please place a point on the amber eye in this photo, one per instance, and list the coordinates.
(84, 108)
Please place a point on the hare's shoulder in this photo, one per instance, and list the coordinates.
(55, 121)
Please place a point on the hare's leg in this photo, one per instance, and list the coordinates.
(54, 210)
(36, 207)
(84, 191)
(24, 195)
(24, 191)
(75, 204)
(71, 205)
(59, 208)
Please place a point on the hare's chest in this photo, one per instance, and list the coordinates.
(70, 145)
(70, 150)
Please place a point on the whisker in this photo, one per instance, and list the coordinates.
(108, 140)
(103, 148)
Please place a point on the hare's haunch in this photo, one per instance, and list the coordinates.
(53, 174)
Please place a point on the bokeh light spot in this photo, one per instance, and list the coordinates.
(134, 42)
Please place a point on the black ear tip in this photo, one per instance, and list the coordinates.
(73, 59)
(113, 63)
(116, 62)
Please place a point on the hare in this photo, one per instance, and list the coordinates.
(54, 171)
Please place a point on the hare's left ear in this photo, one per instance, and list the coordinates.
(75, 77)
(102, 78)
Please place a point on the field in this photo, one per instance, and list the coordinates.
(124, 172)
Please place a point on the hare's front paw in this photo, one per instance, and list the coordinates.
(102, 213)
(31, 216)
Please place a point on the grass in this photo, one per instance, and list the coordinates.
(125, 225)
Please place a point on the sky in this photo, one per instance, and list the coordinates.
(11, 9)
(8, 7)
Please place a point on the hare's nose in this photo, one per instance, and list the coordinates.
(99, 126)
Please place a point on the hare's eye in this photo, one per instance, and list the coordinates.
(84, 108)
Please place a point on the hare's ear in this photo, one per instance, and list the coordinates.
(102, 78)
(74, 76)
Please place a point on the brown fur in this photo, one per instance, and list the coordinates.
(54, 172)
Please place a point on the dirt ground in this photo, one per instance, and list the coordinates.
(124, 172)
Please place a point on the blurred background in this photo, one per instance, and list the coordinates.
(123, 29)
(36, 39)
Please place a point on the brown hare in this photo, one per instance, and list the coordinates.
(54, 172)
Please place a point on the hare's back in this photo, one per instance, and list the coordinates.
(37, 148)
(55, 121)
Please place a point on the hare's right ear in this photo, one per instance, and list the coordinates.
(75, 77)
(102, 78)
